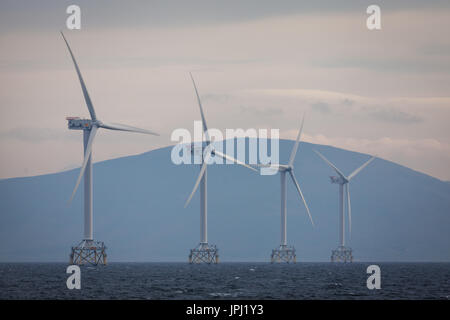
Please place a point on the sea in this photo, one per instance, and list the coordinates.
(232, 281)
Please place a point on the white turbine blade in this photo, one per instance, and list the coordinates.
(83, 86)
(349, 208)
(269, 165)
(301, 196)
(224, 156)
(330, 164)
(87, 154)
(200, 176)
(354, 173)
(124, 127)
(297, 142)
(205, 127)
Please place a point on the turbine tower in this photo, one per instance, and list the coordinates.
(285, 253)
(343, 253)
(89, 251)
(205, 252)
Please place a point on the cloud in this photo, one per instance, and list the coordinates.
(47, 14)
(396, 116)
(321, 107)
(348, 102)
(389, 110)
(435, 49)
(217, 97)
(261, 111)
(390, 65)
(430, 156)
(34, 135)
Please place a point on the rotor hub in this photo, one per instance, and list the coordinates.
(284, 168)
(338, 180)
(76, 123)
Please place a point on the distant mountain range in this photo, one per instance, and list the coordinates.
(398, 214)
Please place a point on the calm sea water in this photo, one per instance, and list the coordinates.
(226, 281)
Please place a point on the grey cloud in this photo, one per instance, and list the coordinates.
(348, 102)
(388, 65)
(39, 135)
(35, 134)
(261, 111)
(396, 116)
(216, 97)
(321, 107)
(50, 14)
(435, 49)
(224, 98)
(324, 107)
(105, 62)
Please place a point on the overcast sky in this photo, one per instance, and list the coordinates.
(258, 64)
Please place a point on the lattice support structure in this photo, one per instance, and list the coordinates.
(88, 252)
(283, 254)
(204, 253)
(342, 254)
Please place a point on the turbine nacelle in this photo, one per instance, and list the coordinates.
(285, 168)
(338, 180)
(76, 123)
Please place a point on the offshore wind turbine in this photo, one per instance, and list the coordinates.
(343, 253)
(285, 253)
(89, 251)
(205, 252)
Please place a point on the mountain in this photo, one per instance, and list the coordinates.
(398, 214)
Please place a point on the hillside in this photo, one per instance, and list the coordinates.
(398, 214)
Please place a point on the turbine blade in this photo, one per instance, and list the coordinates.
(297, 142)
(87, 154)
(354, 173)
(261, 165)
(330, 164)
(124, 127)
(200, 176)
(83, 86)
(301, 196)
(205, 127)
(269, 165)
(224, 156)
(349, 209)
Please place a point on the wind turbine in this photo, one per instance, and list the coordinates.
(285, 253)
(90, 251)
(205, 252)
(343, 253)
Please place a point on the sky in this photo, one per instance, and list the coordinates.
(257, 64)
